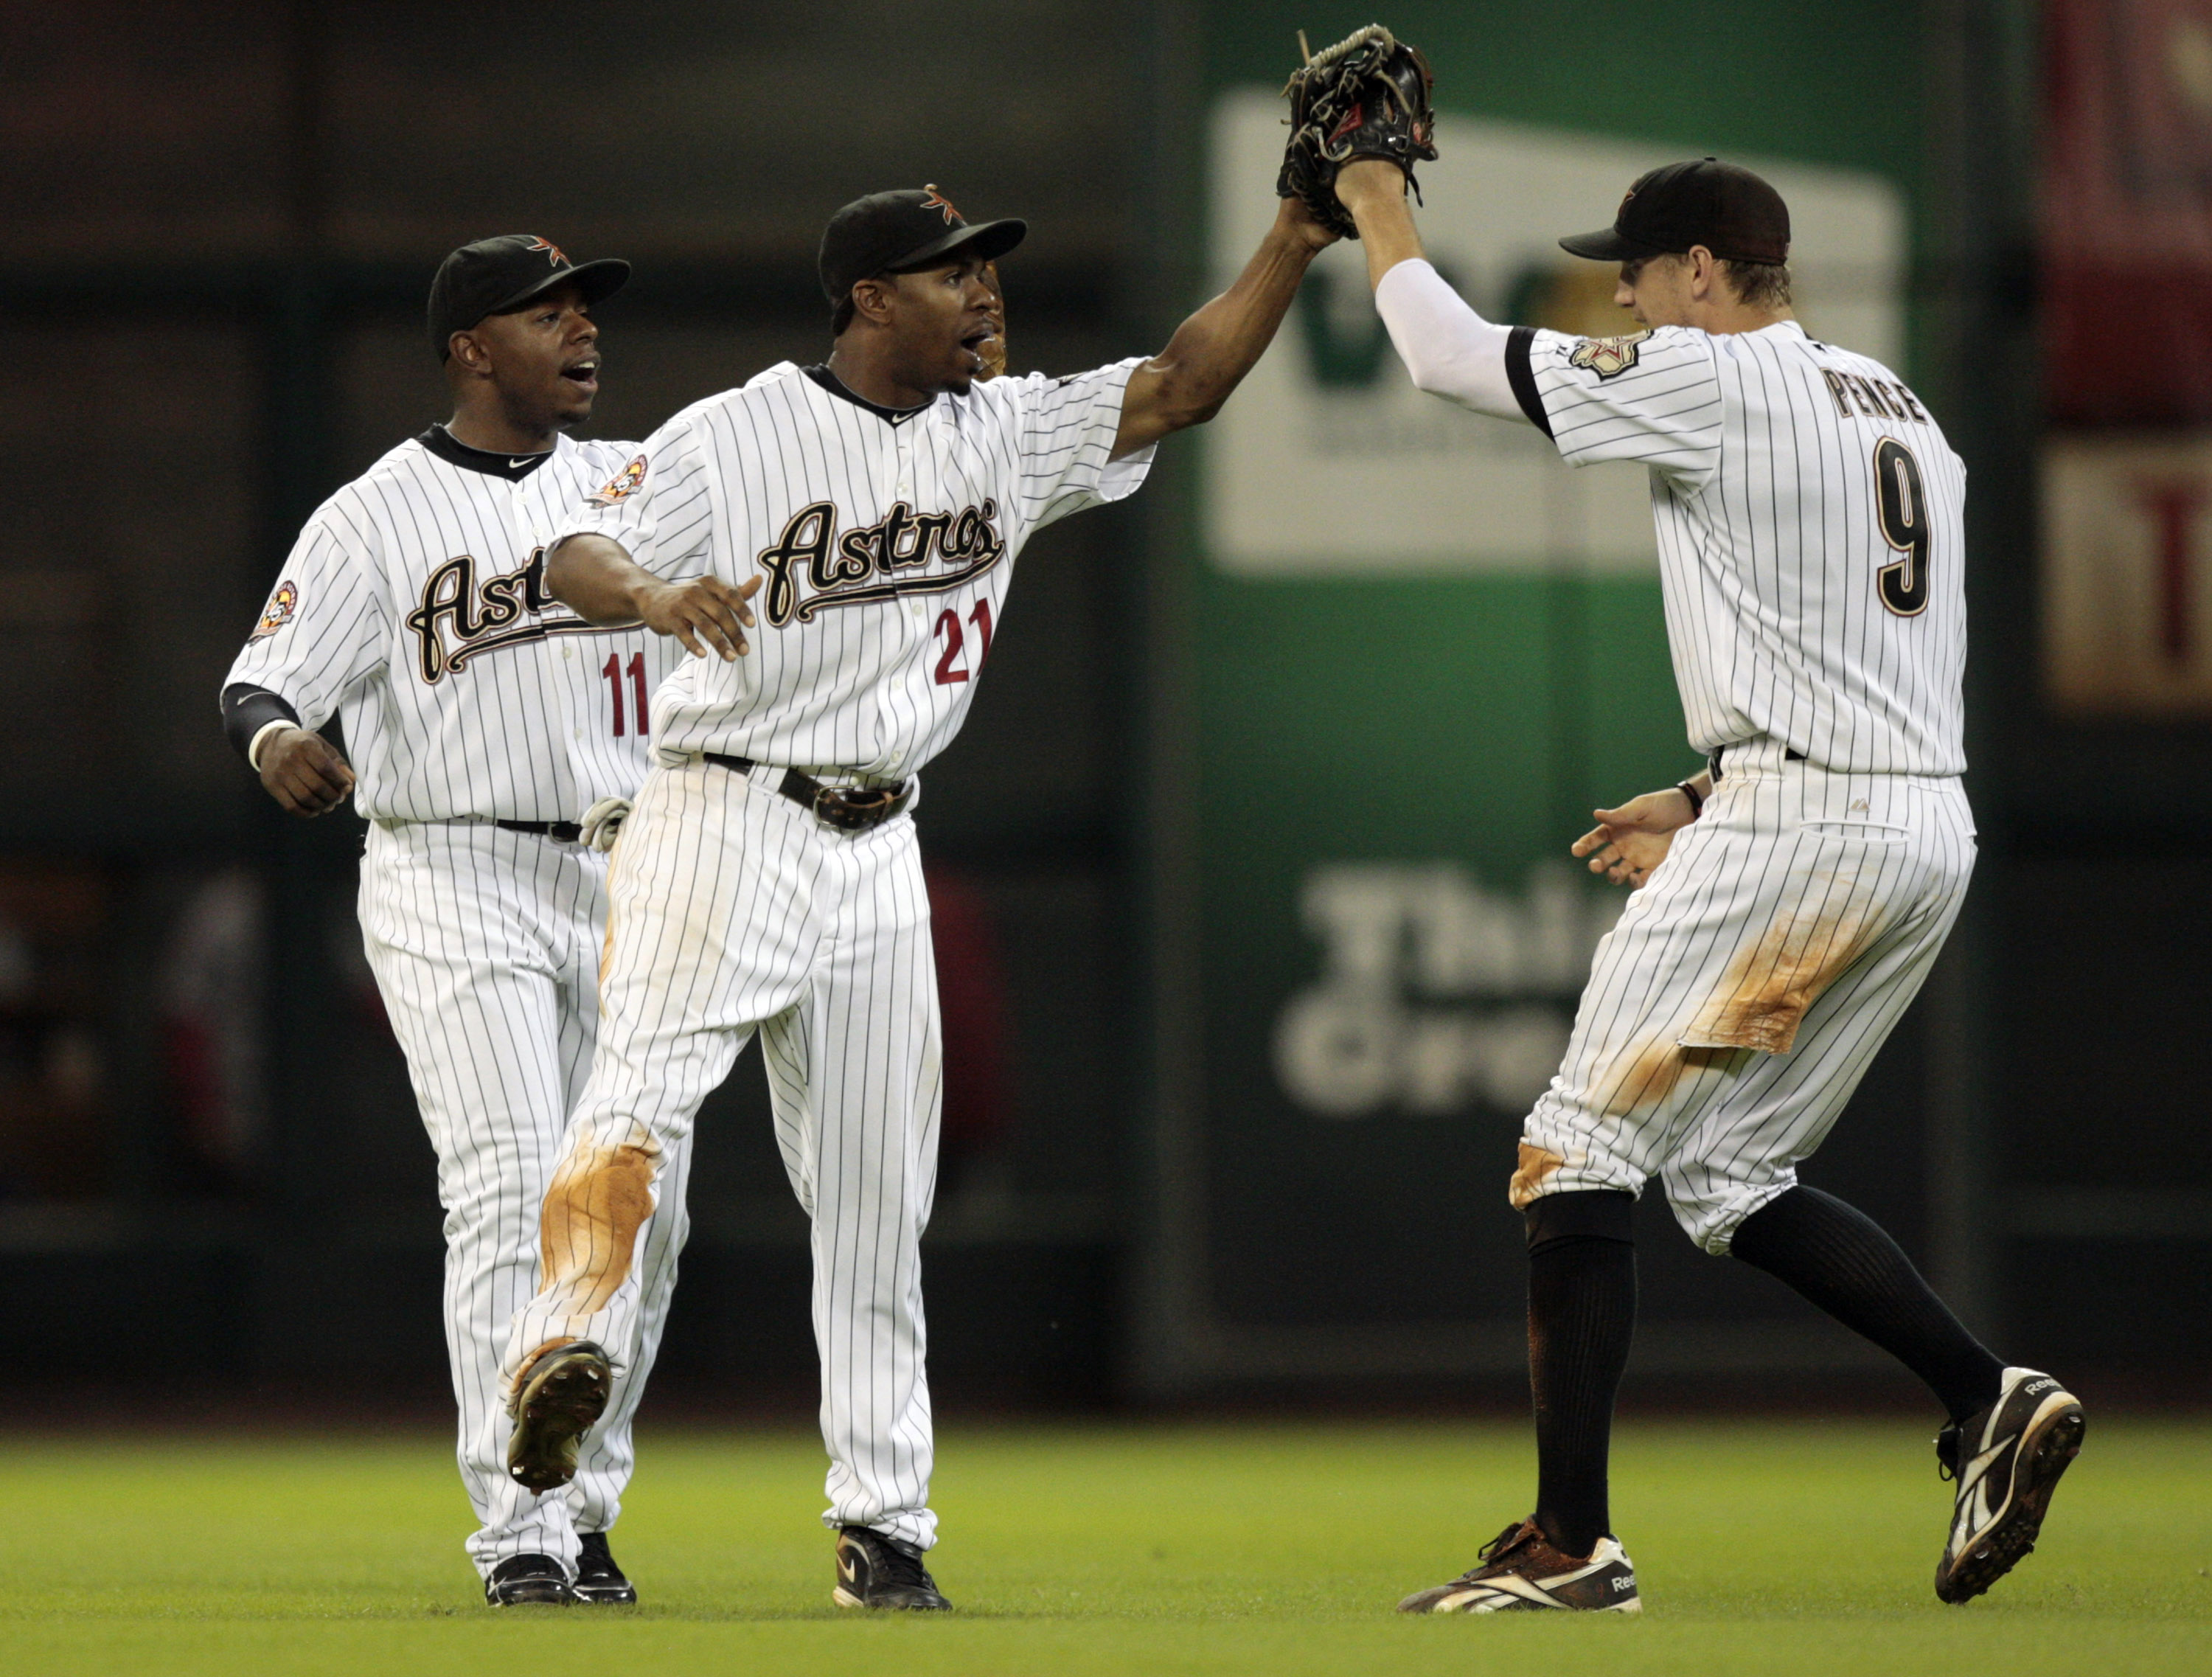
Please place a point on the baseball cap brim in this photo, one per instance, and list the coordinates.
(598, 280)
(989, 239)
(1607, 245)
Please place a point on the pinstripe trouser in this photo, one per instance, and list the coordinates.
(734, 910)
(485, 944)
(1736, 1004)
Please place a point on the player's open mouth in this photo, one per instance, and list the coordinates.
(584, 373)
(975, 340)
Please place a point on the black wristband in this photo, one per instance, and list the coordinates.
(1697, 798)
(247, 709)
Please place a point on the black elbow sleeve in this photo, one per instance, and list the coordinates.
(247, 709)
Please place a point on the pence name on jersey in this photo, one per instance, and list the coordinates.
(884, 541)
(496, 700)
(1810, 517)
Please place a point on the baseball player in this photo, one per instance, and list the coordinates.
(1794, 895)
(494, 734)
(870, 509)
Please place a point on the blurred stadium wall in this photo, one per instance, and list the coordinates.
(1248, 861)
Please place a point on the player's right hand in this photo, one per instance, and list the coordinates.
(304, 773)
(704, 612)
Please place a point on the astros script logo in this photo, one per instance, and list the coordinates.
(936, 200)
(282, 604)
(555, 255)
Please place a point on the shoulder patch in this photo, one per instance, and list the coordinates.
(1607, 357)
(282, 604)
(625, 484)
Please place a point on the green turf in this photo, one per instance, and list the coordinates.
(1798, 1550)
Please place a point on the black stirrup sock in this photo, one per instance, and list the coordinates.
(1582, 1314)
(1841, 1260)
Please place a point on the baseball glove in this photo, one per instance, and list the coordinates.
(1367, 96)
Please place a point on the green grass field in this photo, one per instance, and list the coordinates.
(1799, 1549)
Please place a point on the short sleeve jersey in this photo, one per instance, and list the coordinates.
(883, 540)
(1810, 519)
(413, 608)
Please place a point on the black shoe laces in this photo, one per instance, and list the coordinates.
(1946, 1451)
(1494, 1553)
(896, 1563)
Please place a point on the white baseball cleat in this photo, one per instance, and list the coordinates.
(1520, 1572)
(2007, 1460)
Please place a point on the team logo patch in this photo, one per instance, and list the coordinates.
(555, 255)
(282, 605)
(1607, 357)
(626, 483)
(936, 200)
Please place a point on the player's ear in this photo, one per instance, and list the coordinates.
(465, 351)
(873, 299)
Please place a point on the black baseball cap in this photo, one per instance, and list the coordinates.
(1725, 207)
(495, 276)
(893, 233)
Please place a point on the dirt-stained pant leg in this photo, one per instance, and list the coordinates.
(732, 908)
(1732, 1009)
(855, 1072)
(712, 928)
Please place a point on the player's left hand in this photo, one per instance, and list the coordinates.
(1294, 219)
(1630, 843)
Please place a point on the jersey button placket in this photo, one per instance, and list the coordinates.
(902, 454)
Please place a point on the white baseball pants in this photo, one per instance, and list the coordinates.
(485, 944)
(1734, 1007)
(735, 910)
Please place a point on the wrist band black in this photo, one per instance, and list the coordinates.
(1697, 798)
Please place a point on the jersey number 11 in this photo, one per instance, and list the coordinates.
(612, 669)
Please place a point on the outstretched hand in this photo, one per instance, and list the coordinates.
(704, 612)
(1630, 843)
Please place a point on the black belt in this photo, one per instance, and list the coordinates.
(852, 808)
(1790, 753)
(564, 832)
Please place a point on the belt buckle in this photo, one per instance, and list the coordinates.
(850, 809)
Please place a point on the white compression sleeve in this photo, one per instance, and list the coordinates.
(1450, 350)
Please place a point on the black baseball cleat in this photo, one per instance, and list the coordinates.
(2007, 1460)
(1518, 1570)
(529, 1581)
(562, 1394)
(884, 1572)
(599, 1580)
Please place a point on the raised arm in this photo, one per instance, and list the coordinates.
(1185, 383)
(595, 578)
(1450, 349)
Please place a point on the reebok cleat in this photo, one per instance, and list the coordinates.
(2007, 1460)
(1520, 1572)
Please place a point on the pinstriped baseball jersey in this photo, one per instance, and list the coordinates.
(884, 541)
(1811, 532)
(413, 607)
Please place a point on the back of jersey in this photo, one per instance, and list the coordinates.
(1811, 529)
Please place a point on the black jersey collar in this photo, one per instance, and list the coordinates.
(454, 452)
(838, 388)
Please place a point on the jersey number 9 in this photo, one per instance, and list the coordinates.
(1903, 584)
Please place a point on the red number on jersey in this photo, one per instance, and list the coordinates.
(612, 671)
(949, 668)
